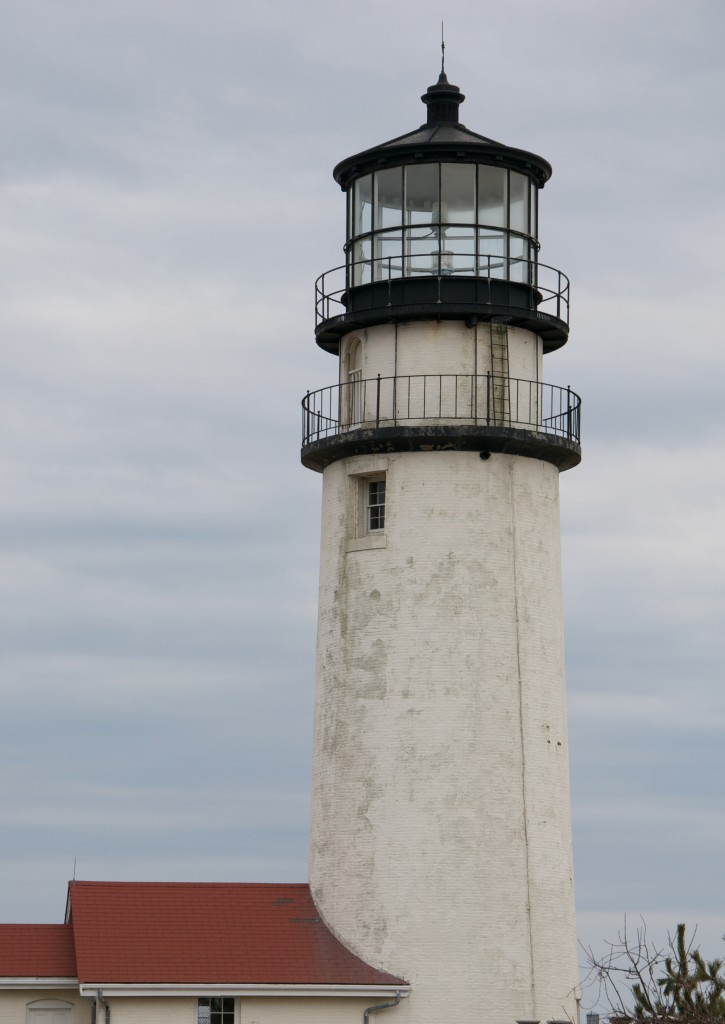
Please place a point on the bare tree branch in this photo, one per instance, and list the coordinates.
(642, 983)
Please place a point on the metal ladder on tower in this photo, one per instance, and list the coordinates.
(500, 395)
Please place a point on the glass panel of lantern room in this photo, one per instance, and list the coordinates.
(361, 265)
(518, 263)
(421, 194)
(458, 250)
(362, 215)
(491, 197)
(388, 198)
(534, 212)
(491, 253)
(519, 203)
(458, 193)
(533, 271)
(421, 251)
(387, 255)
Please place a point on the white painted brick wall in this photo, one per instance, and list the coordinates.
(157, 1010)
(14, 1004)
(441, 840)
(183, 1010)
(268, 1010)
(441, 347)
(309, 1011)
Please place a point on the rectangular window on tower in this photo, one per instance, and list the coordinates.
(367, 512)
(215, 1010)
(375, 505)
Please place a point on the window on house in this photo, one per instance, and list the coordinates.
(375, 505)
(216, 1010)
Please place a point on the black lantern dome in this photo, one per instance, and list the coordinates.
(442, 224)
(442, 136)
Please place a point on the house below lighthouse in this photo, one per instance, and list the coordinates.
(440, 851)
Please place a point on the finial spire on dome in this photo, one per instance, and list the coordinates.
(443, 99)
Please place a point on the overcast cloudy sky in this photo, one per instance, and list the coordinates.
(166, 203)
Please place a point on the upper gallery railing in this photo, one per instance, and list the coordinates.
(484, 400)
(491, 274)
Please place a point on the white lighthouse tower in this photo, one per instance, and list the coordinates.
(441, 837)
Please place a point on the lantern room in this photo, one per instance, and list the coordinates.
(442, 218)
(442, 223)
(443, 310)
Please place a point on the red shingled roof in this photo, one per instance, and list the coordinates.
(208, 933)
(36, 951)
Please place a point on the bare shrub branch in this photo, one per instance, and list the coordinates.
(642, 983)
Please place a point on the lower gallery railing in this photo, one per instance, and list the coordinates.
(424, 399)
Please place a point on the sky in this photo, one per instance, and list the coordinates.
(166, 203)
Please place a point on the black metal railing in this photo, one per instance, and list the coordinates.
(485, 400)
(549, 287)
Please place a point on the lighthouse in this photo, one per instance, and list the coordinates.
(440, 837)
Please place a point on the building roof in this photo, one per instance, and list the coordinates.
(208, 933)
(36, 951)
